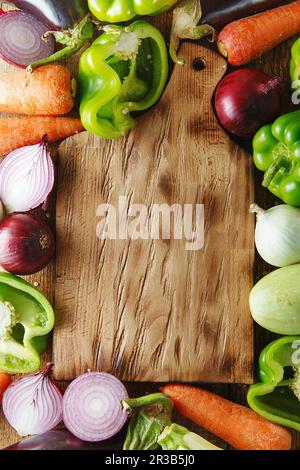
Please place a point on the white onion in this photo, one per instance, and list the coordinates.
(33, 404)
(26, 177)
(277, 234)
(92, 408)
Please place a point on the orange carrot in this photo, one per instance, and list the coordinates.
(5, 380)
(236, 424)
(247, 39)
(46, 92)
(21, 131)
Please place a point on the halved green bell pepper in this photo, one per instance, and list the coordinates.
(115, 11)
(277, 153)
(277, 397)
(26, 318)
(125, 70)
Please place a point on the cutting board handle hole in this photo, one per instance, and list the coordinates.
(199, 64)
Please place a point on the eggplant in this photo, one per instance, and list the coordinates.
(219, 13)
(64, 440)
(56, 14)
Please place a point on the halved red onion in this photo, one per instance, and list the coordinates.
(33, 404)
(92, 408)
(26, 177)
(21, 39)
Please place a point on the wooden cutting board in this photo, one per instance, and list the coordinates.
(151, 310)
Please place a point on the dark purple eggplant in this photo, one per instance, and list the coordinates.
(56, 14)
(218, 13)
(64, 440)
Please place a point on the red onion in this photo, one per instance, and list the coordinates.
(26, 244)
(33, 404)
(21, 38)
(92, 408)
(26, 177)
(246, 100)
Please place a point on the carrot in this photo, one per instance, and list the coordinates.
(236, 424)
(21, 131)
(46, 92)
(247, 39)
(5, 380)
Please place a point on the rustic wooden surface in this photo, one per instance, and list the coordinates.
(275, 62)
(150, 310)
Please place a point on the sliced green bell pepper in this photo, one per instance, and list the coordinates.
(277, 397)
(295, 64)
(277, 153)
(26, 318)
(115, 11)
(125, 70)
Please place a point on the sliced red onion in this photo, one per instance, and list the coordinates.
(33, 404)
(26, 178)
(21, 39)
(92, 408)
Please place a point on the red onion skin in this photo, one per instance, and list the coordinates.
(26, 244)
(246, 100)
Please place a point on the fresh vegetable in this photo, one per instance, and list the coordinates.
(26, 318)
(48, 91)
(26, 244)
(125, 70)
(276, 152)
(248, 38)
(247, 99)
(116, 11)
(92, 406)
(150, 415)
(279, 368)
(26, 178)
(53, 440)
(55, 13)
(177, 437)
(275, 301)
(5, 380)
(73, 40)
(33, 404)
(295, 65)
(185, 25)
(22, 131)
(21, 39)
(277, 234)
(218, 13)
(236, 424)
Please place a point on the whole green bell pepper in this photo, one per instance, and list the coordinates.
(277, 153)
(277, 397)
(115, 11)
(26, 318)
(125, 70)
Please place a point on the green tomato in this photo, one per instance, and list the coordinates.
(290, 191)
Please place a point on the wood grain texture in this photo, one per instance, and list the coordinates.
(150, 310)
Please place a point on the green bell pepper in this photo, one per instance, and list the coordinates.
(125, 70)
(277, 397)
(115, 11)
(277, 153)
(26, 318)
